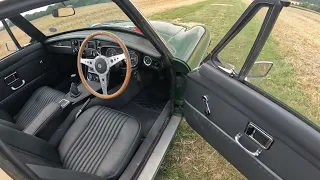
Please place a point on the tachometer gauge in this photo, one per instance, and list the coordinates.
(147, 60)
(134, 59)
(111, 52)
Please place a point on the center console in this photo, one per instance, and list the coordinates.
(84, 93)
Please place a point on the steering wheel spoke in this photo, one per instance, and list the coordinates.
(104, 80)
(116, 59)
(101, 66)
(88, 62)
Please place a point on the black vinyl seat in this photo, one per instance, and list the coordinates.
(35, 104)
(99, 144)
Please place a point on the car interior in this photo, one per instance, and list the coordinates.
(96, 102)
(51, 121)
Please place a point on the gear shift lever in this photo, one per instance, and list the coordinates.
(74, 88)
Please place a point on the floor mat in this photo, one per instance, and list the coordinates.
(147, 105)
(146, 116)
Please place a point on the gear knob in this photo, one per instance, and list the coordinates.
(73, 78)
(74, 91)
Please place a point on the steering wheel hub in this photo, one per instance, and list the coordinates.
(101, 65)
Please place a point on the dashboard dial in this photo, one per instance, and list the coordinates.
(147, 60)
(111, 52)
(134, 59)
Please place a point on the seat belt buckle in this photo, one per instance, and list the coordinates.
(64, 103)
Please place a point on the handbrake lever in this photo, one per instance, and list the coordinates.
(82, 107)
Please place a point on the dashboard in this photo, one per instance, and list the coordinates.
(108, 49)
(143, 54)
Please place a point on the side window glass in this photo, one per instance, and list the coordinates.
(294, 50)
(7, 45)
(5, 41)
(236, 51)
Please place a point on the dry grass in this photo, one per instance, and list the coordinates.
(298, 32)
(190, 157)
(298, 36)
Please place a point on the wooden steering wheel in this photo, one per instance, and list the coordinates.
(101, 66)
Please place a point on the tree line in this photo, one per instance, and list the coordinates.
(310, 4)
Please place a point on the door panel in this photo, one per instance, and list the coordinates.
(294, 153)
(29, 69)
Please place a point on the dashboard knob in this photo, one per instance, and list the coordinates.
(89, 76)
(75, 50)
(156, 64)
(75, 42)
(94, 53)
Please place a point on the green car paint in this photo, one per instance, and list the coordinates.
(187, 45)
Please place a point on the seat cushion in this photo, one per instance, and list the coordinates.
(5, 116)
(35, 104)
(30, 149)
(101, 142)
(11, 125)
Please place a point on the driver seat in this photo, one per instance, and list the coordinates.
(98, 145)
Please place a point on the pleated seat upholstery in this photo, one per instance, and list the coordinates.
(32, 108)
(100, 142)
(36, 103)
(98, 145)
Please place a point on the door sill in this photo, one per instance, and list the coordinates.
(153, 164)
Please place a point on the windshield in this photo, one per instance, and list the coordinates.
(87, 14)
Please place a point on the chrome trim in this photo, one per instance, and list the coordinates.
(255, 154)
(20, 86)
(265, 134)
(144, 61)
(64, 103)
(205, 99)
(14, 74)
(57, 46)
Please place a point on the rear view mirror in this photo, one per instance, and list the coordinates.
(63, 12)
(260, 69)
(11, 47)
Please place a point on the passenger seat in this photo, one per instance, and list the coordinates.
(39, 100)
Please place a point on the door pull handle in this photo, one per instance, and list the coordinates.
(255, 154)
(20, 86)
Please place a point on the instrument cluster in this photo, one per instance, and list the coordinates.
(136, 58)
(112, 51)
(93, 47)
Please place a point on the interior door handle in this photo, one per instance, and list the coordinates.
(20, 86)
(256, 153)
(205, 99)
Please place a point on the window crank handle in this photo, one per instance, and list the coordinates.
(205, 99)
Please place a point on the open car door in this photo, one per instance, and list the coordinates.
(260, 136)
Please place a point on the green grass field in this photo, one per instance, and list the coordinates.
(192, 158)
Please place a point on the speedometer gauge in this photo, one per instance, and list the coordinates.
(134, 59)
(111, 52)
